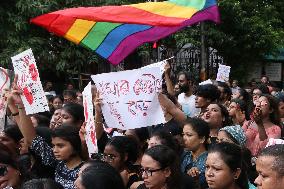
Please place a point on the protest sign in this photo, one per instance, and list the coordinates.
(130, 97)
(4, 84)
(208, 81)
(223, 73)
(273, 141)
(90, 136)
(29, 82)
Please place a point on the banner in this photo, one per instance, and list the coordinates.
(89, 119)
(161, 65)
(4, 84)
(130, 97)
(223, 73)
(29, 82)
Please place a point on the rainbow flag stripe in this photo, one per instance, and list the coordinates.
(114, 32)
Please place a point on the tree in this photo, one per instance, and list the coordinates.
(52, 53)
(249, 30)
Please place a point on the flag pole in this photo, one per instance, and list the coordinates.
(203, 53)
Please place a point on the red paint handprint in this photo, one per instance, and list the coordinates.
(28, 94)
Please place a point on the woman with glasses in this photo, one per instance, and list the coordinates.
(121, 153)
(160, 169)
(264, 124)
(195, 136)
(72, 114)
(10, 175)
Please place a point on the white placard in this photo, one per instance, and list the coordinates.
(90, 136)
(161, 65)
(223, 73)
(29, 82)
(4, 84)
(273, 141)
(130, 97)
(208, 81)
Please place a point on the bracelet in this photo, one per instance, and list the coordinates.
(15, 114)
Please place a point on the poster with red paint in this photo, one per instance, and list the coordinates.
(4, 84)
(90, 136)
(130, 98)
(29, 82)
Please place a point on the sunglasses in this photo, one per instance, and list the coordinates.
(3, 170)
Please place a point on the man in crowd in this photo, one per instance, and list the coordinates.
(186, 98)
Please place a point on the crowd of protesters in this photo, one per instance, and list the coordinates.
(215, 137)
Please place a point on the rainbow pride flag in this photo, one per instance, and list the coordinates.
(114, 32)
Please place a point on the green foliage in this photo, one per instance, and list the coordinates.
(249, 30)
(52, 52)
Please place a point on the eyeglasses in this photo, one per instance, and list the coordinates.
(3, 170)
(103, 157)
(150, 172)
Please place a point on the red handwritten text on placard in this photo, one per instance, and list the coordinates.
(27, 59)
(147, 84)
(93, 134)
(118, 88)
(33, 72)
(115, 113)
(138, 107)
(5, 74)
(86, 108)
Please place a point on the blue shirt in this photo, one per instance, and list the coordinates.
(187, 163)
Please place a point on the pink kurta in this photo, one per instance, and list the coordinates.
(254, 144)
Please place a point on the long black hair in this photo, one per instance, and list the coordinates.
(201, 127)
(101, 175)
(70, 134)
(125, 146)
(167, 139)
(41, 184)
(76, 111)
(167, 158)
(232, 155)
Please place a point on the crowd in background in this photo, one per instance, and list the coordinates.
(215, 137)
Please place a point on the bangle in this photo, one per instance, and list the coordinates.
(15, 114)
(98, 122)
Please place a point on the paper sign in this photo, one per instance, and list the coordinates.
(4, 84)
(161, 65)
(223, 73)
(130, 97)
(273, 141)
(29, 82)
(208, 81)
(89, 119)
